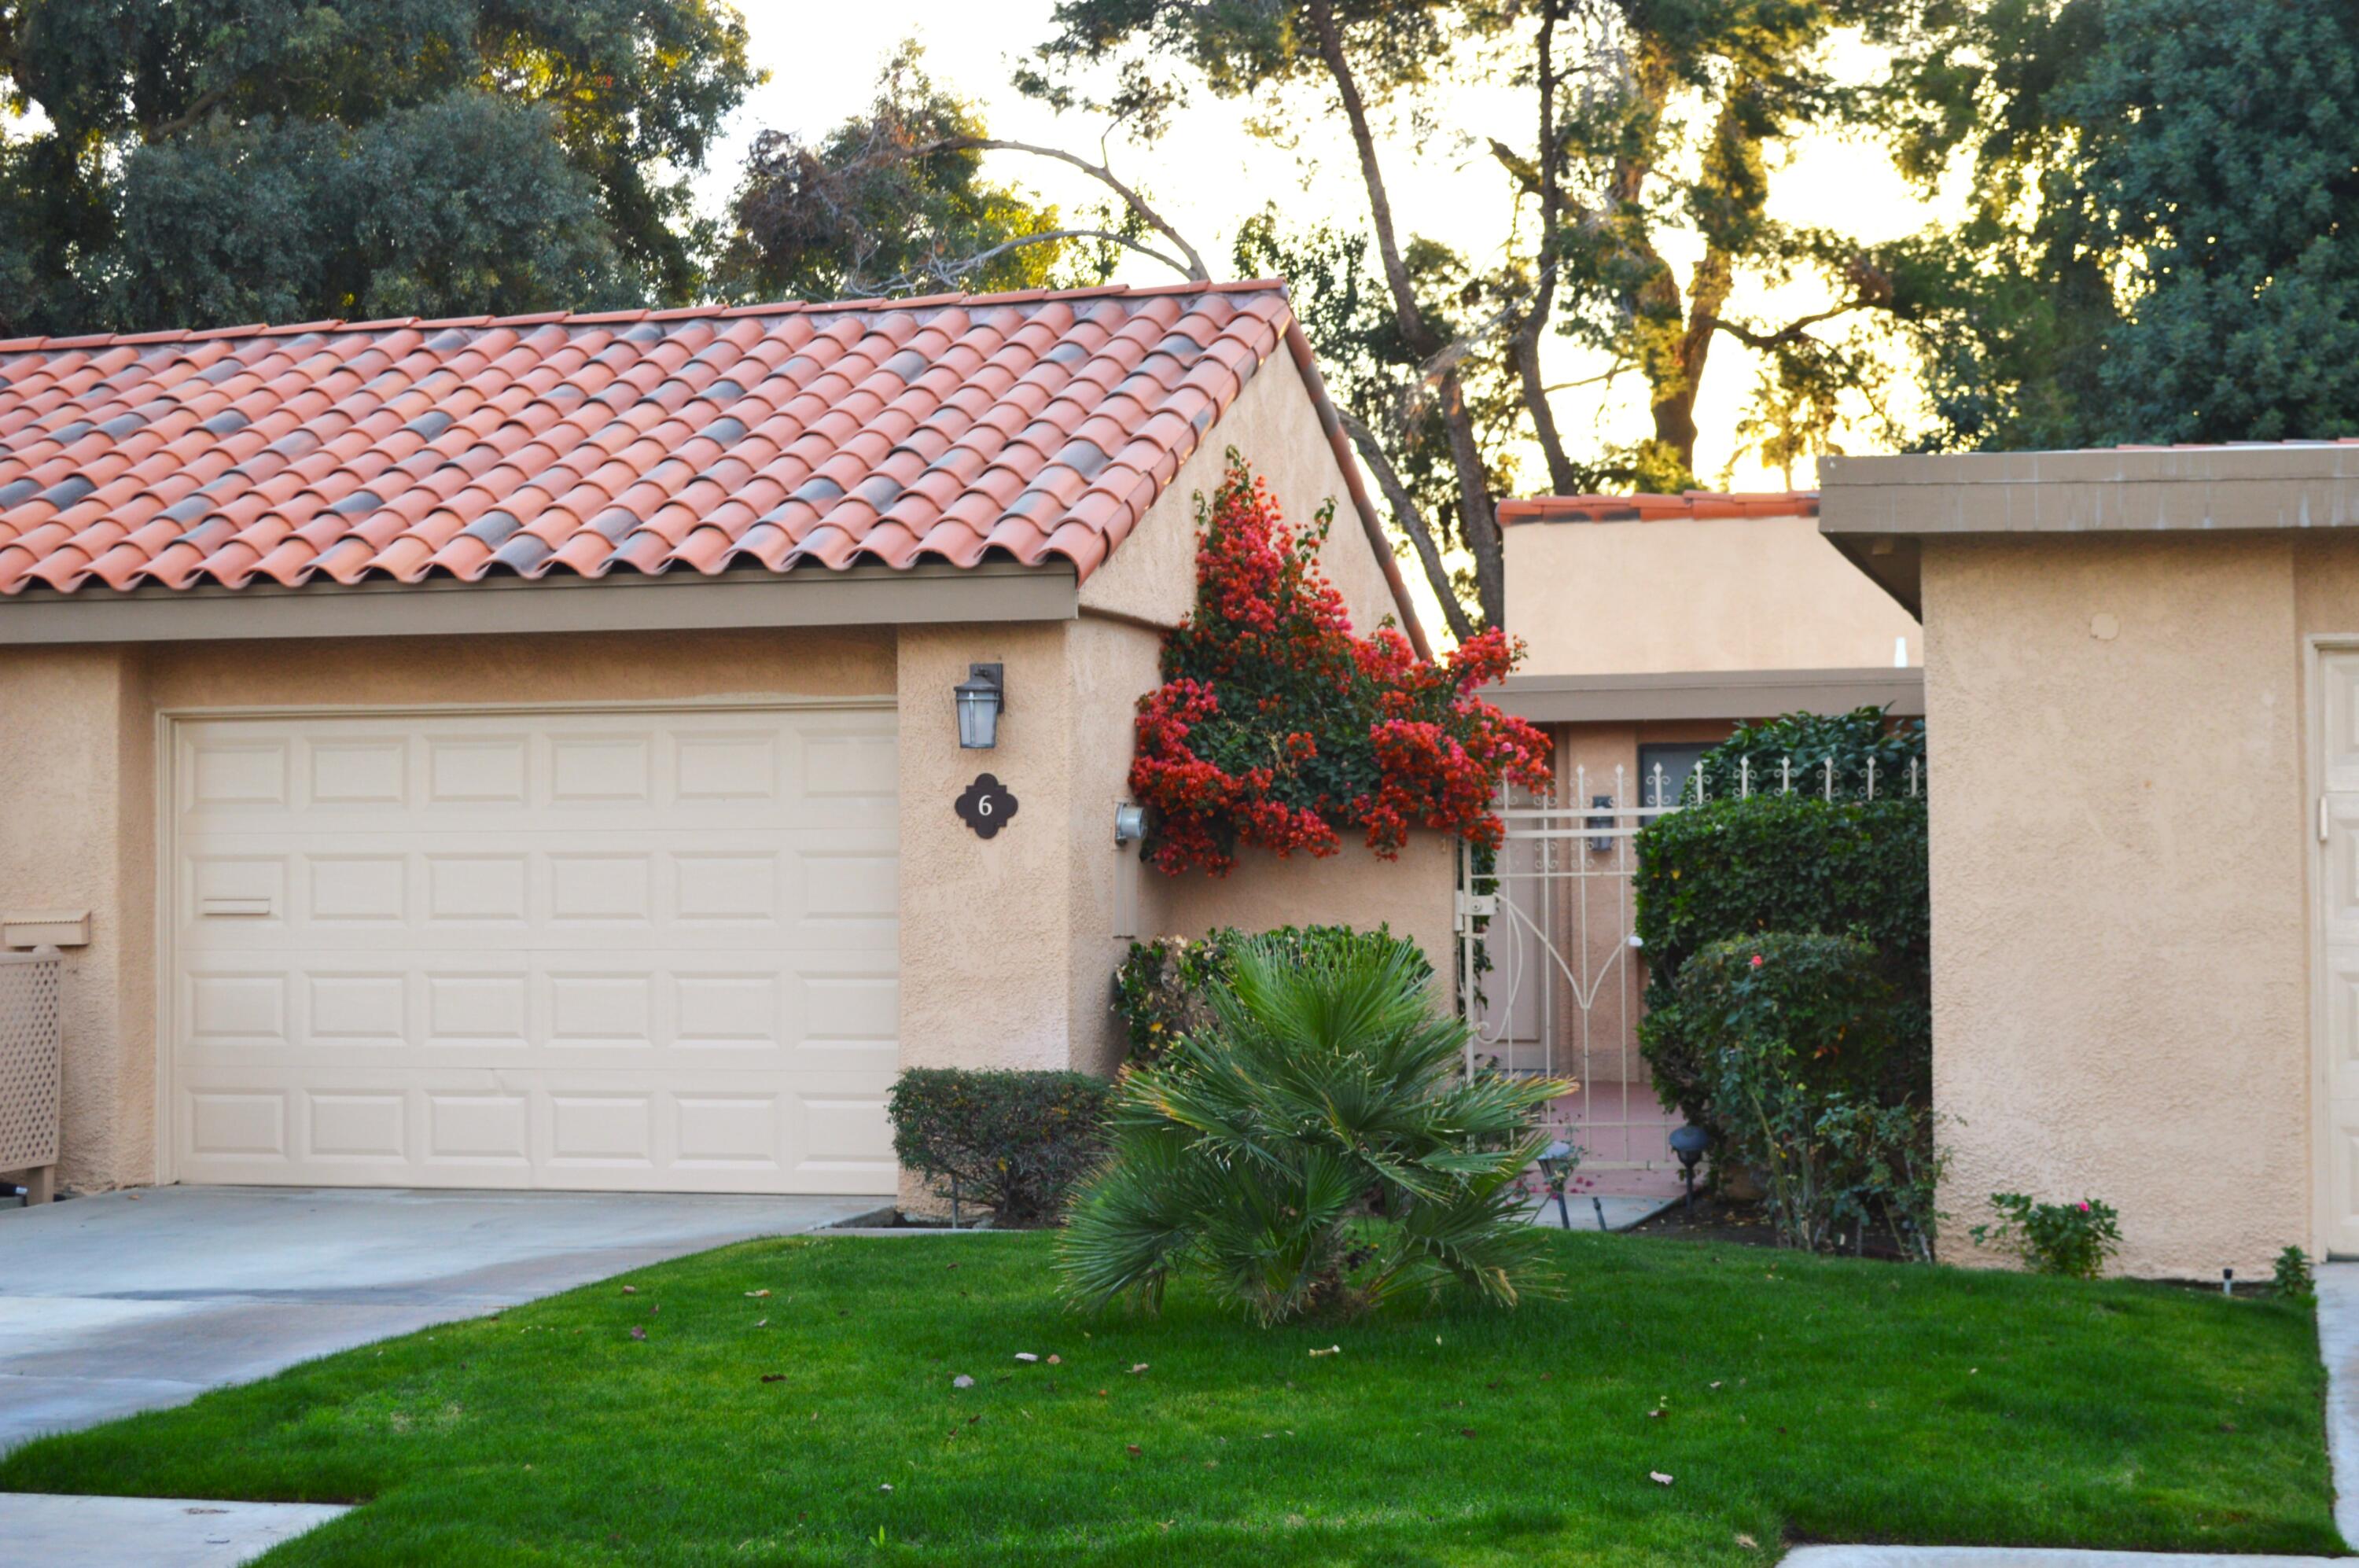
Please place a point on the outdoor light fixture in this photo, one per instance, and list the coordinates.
(1556, 1164)
(1603, 842)
(982, 697)
(1129, 822)
(1689, 1143)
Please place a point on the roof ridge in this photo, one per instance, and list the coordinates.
(716, 312)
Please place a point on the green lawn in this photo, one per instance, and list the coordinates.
(1789, 1398)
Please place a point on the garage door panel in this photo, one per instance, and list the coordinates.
(580, 950)
(710, 889)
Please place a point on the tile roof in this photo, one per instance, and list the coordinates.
(956, 428)
(1696, 504)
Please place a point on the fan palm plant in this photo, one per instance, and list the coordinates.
(1321, 1147)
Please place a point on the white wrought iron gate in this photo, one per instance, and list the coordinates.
(1552, 980)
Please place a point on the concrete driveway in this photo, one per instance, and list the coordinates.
(133, 1300)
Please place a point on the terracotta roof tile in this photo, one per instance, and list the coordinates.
(1689, 505)
(954, 429)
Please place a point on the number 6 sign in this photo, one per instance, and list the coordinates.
(986, 805)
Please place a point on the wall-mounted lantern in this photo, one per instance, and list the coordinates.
(1602, 842)
(982, 697)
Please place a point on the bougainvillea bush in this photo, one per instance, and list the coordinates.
(1278, 727)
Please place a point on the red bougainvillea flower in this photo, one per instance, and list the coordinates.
(1277, 727)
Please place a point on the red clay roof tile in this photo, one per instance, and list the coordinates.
(951, 429)
(1691, 505)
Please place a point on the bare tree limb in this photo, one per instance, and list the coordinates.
(1412, 521)
(1790, 333)
(1481, 524)
(950, 272)
(1419, 337)
(1194, 269)
(1527, 339)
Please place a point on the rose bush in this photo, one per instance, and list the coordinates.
(1276, 726)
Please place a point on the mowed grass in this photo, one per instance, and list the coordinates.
(1787, 1399)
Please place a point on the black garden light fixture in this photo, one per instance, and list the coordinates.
(1556, 1164)
(1689, 1143)
(982, 697)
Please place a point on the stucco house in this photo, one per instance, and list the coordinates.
(1654, 625)
(2142, 695)
(507, 753)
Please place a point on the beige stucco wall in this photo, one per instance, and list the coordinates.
(1683, 594)
(2119, 870)
(1414, 895)
(71, 757)
(1275, 427)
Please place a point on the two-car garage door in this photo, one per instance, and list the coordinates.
(620, 950)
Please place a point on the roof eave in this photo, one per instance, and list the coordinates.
(620, 602)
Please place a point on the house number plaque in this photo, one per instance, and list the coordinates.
(986, 805)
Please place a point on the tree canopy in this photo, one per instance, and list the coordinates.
(194, 163)
(891, 201)
(1642, 119)
(2160, 246)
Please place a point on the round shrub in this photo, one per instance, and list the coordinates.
(1819, 1005)
(1013, 1142)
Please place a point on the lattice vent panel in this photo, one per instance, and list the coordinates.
(28, 1061)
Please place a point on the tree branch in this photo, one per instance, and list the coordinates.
(1790, 333)
(197, 110)
(1412, 521)
(1419, 337)
(1194, 267)
(950, 272)
(1527, 340)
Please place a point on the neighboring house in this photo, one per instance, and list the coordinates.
(2143, 711)
(522, 753)
(1655, 625)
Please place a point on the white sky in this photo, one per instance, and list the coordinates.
(1211, 173)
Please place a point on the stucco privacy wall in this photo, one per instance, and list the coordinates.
(1687, 593)
(2120, 904)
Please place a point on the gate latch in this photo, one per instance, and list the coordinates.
(1473, 906)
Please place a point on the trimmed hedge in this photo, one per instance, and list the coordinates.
(1800, 1037)
(1015, 1143)
(1163, 989)
(1732, 868)
(1822, 1002)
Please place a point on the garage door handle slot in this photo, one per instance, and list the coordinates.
(248, 907)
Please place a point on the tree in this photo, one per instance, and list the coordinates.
(195, 163)
(2159, 248)
(1612, 163)
(889, 201)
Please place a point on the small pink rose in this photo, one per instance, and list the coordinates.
(1756, 961)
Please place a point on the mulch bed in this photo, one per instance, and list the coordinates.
(1744, 1223)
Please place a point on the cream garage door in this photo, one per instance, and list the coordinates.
(620, 950)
